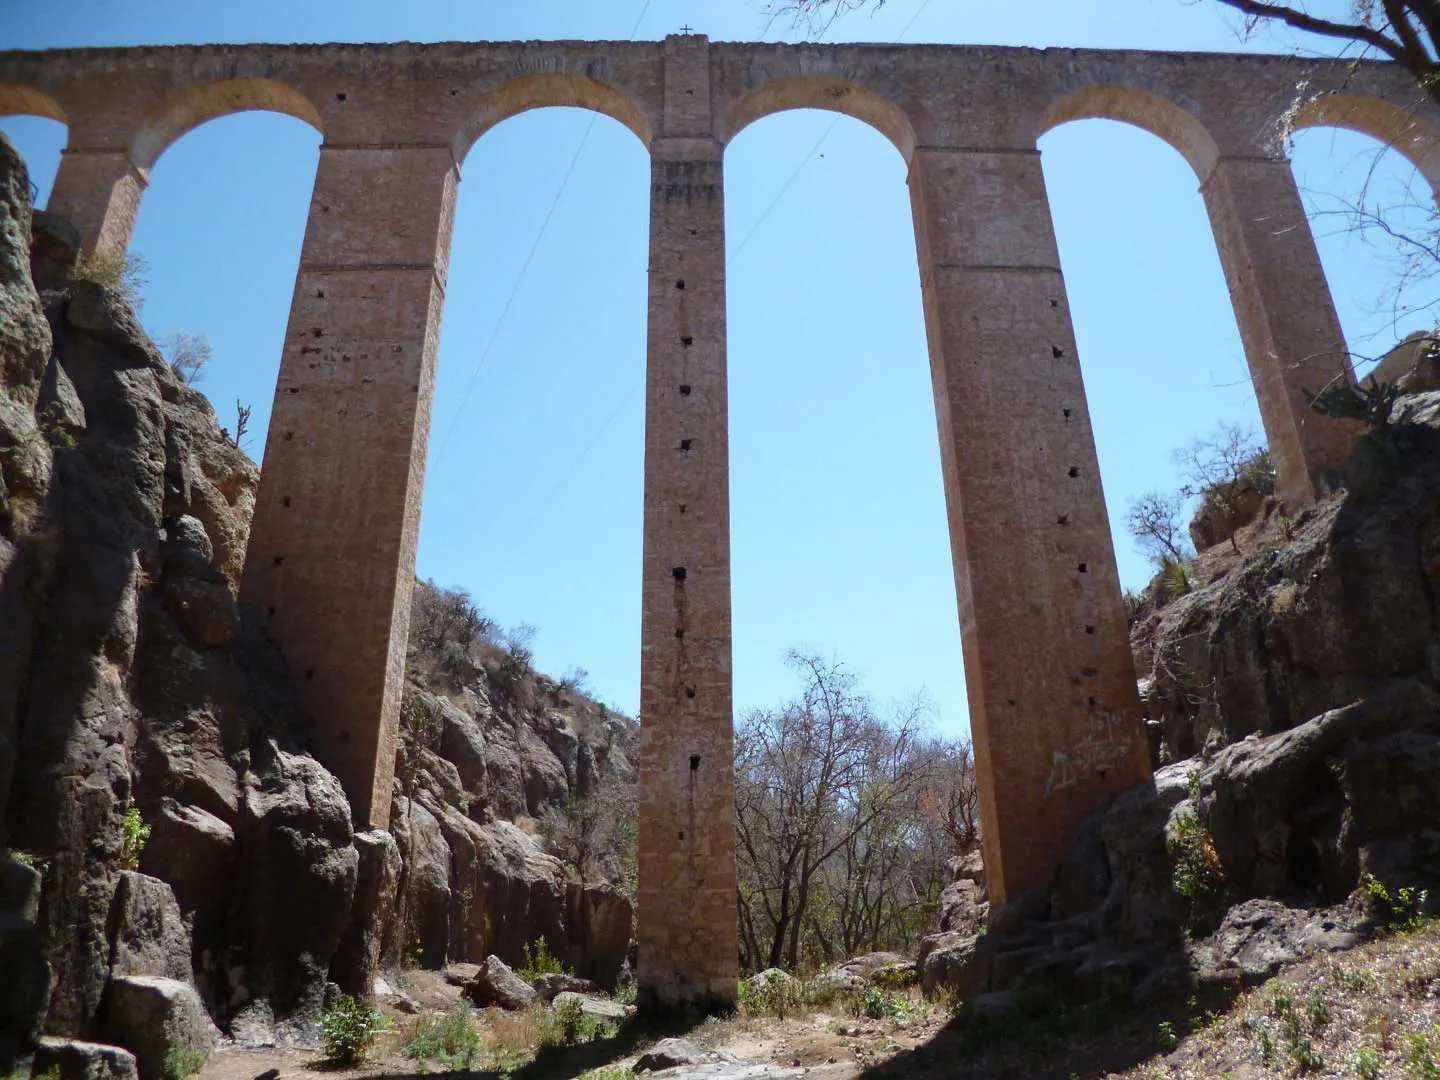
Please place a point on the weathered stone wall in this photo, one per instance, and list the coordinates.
(1050, 677)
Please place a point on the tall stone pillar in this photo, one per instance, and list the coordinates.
(98, 191)
(1293, 341)
(687, 933)
(1054, 712)
(332, 550)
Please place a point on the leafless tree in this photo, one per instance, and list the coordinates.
(827, 797)
(1401, 30)
(188, 354)
(1154, 520)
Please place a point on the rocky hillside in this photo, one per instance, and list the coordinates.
(1293, 687)
(167, 840)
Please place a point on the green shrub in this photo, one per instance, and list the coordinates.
(775, 996)
(452, 1040)
(1366, 1064)
(134, 834)
(539, 962)
(184, 1061)
(1422, 1055)
(1404, 910)
(877, 1003)
(1196, 873)
(1168, 1039)
(1175, 579)
(568, 1024)
(1369, 401)
(348, 1030)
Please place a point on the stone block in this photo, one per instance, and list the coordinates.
(77, 1060)
(148, 936)
(158, 1020)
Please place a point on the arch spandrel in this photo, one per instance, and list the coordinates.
(1144, 109)
(193, 106)
(548, 89)
(1406, 130)
(16, 99)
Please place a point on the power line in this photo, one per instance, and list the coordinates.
(808, 157)
(529, 259)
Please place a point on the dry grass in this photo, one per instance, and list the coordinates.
(1370, 1012)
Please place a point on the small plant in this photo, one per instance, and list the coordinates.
(1317, 1012)
(1175, 578)
(539, 962)
(1422, 1055)
(1267, 1044)
(1366, 1064)
(568, 1024)
(1168, 1038)
(777, 995)
(452, 1040)
(348, 1030)
(1404, 910)
(1369, 401)
(183, 1061)
(1287, 527)
(51, 422)
(1196, 874)
(878, 1003)
(134, 834)
(1305, 1057)
(1192, 785)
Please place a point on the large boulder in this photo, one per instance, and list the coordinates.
(497, 984)
(74, 1059)
(160, 1020)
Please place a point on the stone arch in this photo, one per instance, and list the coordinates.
(192, 107)
(16, 99)
(1404, 129)
(1158, 115)
(833, 93)
(549, 89)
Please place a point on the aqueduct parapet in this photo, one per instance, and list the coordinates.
(1055, 715)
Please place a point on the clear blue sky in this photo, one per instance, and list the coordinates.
(533, 491)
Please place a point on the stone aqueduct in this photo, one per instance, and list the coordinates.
(1056, 719)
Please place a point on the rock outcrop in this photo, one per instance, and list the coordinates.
(130, 680)
(1301, 688)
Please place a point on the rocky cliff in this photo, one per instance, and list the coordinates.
(1292, 683)
(135, 696)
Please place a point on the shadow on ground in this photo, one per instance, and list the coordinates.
(1047, 1038)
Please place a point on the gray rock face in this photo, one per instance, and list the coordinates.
(496, 984)
(126, 672)
(155, 1018)
(77, 1060)
(148, 936)
(1258, 937)
(1316, 623)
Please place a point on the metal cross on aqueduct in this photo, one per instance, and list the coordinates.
(1055, 714)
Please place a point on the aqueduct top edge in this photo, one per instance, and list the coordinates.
(1207, 104)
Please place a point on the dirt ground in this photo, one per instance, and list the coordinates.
(1371, 1012)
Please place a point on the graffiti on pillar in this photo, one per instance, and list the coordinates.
(1106, 744)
